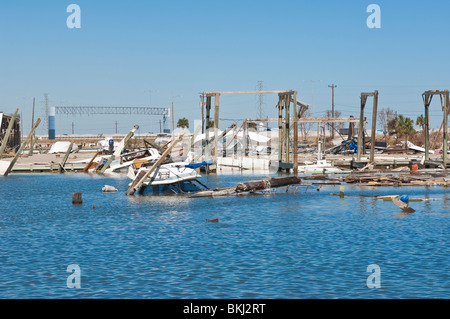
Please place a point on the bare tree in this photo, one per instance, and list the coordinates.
(385, 117)
(305, 128)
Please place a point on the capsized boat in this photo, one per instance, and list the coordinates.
(321, 167)
(179, 177)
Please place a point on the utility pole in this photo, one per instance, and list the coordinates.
(116, 126)
(332, 108)
(73, 129)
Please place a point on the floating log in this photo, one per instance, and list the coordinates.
(267, 184)
(250, 187)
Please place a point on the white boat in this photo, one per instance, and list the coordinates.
(321, 167)
(134, 160)
(176, 177)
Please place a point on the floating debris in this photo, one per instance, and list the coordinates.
(109, 189)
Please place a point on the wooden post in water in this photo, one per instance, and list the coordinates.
(8, 133)
(11, 165)
(445, 147)
(374, 127)
(287, 124)
(426, 102)
(280, 129)
(295, 148)
(216, 125)
(361, 128)
(77, 199)
(208, 111)
(140, 179)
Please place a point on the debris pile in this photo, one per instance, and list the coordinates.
(397, 180)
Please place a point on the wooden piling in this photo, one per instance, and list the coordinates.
(374, 127)
(77, 199)
(361, 128)
(295, 149)
(445, 146)
(8, 133)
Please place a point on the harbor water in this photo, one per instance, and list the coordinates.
(303, 243)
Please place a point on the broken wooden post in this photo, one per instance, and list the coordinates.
(216, 124)
(280, 129)
(8, 133)
(61, 165)
(445, 147)
(11, 165)
(427, 101)
(295, 150)
(140, 179)
(361, 127)
(88, 166)
(207, 122)
(77, 199)
(374, 127)
(287, 125)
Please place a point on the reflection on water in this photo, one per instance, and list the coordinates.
(302, 244)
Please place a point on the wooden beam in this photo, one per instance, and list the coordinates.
(374, 126)
(295, 148)
(61, 166)
(11, 165)
(8, 132)
(216, 125)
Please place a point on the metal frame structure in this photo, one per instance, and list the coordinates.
(91, 110)
(94, 110)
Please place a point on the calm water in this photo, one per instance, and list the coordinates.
(303, 245)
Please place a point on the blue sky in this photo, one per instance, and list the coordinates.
(144, 53)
